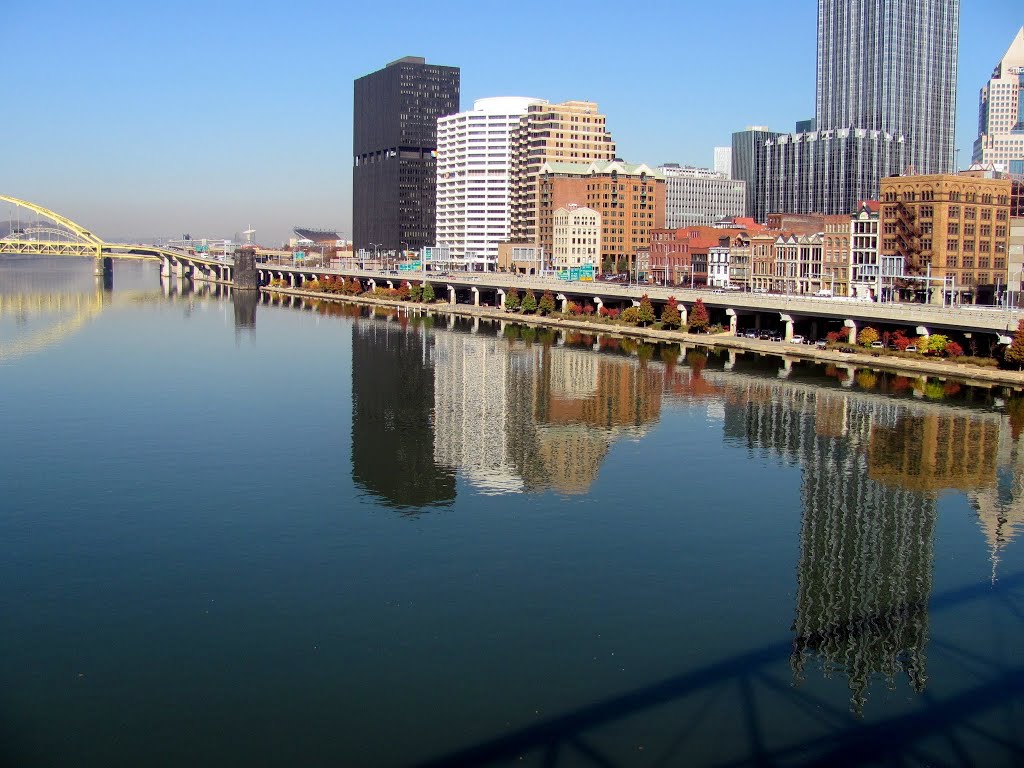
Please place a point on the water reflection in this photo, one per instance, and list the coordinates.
(393, 377)
(517, 409)
(244, 304)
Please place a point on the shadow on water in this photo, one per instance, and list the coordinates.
(839, 738)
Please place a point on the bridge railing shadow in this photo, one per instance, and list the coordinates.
(834, 737)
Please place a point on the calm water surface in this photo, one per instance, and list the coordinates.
(269, 535)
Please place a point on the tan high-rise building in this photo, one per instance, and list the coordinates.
(570, 132)
(954, 228)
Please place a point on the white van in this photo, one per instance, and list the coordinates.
(824, 293)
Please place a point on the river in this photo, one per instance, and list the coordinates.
(236, 533)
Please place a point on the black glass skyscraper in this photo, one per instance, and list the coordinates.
(394, 146)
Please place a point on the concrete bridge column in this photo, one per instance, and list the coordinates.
(391, 284)
(851, 337)
(476, 296)
(814, 330)
(733, 321)
(500, 298)
(598, 303)
(373, 284)
(563, 303)
(452, 297)
(922, 331)
(788, 320)
(165, 267)
(292, 281)
(683, 315)
(634, 302)
(183, 270)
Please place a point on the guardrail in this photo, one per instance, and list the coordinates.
(965, 319)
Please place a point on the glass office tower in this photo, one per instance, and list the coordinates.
(891, 65)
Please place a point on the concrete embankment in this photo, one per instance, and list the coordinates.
(969, 374)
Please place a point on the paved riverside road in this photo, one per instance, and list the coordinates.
(962, 319)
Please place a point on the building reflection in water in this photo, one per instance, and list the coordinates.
(528, 411)
(873, 467)
(392, 417)
(520, 414)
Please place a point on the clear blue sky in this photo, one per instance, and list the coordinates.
(142, 120)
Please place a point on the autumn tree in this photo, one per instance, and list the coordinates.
(547, 303)
(529, 302)
(512, 300)
(699, 319)
(867, 336)
(670, 316)
(428, 293)
(645, 312)
(1015, 352)
(415, 293)
(630, 315)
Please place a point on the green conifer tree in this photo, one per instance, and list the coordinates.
(529, 302)
(512, 299)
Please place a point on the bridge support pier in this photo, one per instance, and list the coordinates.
(788, 320)
(103, 265)
(852, 335)
(104, 272)
(563, 303)
(452, 297)
(733, 321)
(476, 296)
(683, 315)
(246, 276)
(598, 302)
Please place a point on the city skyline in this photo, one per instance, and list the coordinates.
(212, 139)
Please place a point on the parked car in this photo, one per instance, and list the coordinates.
(821, 343)
(911, 348)
(877, 345)
(765, 335)
(750, 335)
(797, 340)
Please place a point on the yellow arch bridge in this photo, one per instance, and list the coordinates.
(51, 234)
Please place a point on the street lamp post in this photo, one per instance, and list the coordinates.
(376, 247)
